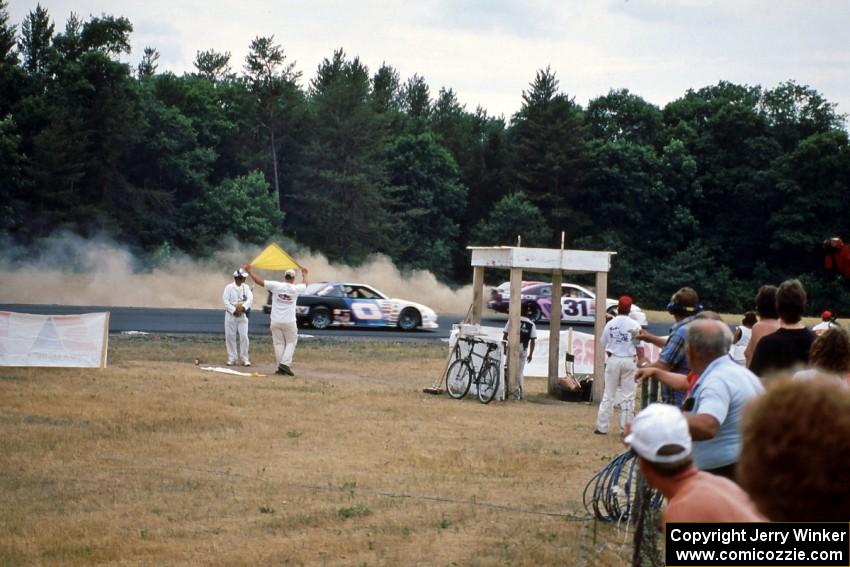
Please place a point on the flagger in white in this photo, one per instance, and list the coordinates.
(619, 339)
(283, 324)
(237, 298)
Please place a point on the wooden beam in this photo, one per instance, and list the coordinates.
(598, 326)
(477, 294)
(554, 332)
(542, 259)
(514, 311)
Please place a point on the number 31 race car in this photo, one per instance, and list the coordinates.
(352, 304)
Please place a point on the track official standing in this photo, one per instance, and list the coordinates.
(283, 325)
(237, 298)
(619, 340)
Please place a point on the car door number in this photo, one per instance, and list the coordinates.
(366, 311)
(575, 308)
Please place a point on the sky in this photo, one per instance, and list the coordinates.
(489, 51)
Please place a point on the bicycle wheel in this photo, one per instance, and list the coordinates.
(458, 379)
(488, 382)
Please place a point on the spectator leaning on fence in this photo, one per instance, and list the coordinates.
(659, 436)
(717, 398)
(684, 306)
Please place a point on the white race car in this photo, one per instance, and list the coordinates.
(354, 304)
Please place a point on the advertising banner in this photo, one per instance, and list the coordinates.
(78, 341)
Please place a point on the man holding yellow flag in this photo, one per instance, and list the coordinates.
(283, 321)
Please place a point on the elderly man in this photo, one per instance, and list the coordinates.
(619, 338)
(284, 326)
(237, 298)
(717, 398)
(660, 438)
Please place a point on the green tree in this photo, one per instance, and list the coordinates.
(796, 112)
(416, 102)
(148, 65)
(8, 55)
(623, 116)
(548, 137)
(342, 192)
(272, 81)
(514, 215)
(429, 202)
(242, 208)
(11, 176)
(212, 65)
(386, 90)
(36, 35)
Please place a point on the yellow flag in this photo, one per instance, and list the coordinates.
(274, 258)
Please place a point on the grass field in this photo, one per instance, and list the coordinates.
(153, 461)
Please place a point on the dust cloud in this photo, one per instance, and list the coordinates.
(69, 270)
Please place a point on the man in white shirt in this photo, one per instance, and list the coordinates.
(237, 298)
(619, 339)
(283, 321)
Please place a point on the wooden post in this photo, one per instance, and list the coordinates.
(477, 293)
(554, 332)
(514, 311)
(598, 326)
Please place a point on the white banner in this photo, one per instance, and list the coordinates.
(79, 341)
(582, 348)
(579, 344)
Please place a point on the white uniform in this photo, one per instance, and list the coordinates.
(236, 325)
(822, 327)
(283, 321)
(619, 341)
(736, 351)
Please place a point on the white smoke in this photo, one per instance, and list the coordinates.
(70, 270)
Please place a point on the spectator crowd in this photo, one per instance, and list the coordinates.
(751, 426)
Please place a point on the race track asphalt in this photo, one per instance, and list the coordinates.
(211, 322)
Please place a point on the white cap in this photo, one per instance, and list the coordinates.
(289, 274)
(240, 273)
(656, 426)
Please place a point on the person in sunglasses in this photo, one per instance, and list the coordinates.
(713, 407)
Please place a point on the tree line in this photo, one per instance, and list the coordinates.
(724, 189)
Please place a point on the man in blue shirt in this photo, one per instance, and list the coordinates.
(714, 407)
(684, 306)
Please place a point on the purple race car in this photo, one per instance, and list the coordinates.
(578, 304)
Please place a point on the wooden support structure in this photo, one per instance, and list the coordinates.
(477, 294)
(598, 326)
(547, 260)
(554, 332)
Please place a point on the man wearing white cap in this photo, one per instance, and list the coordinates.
(660, 437)
(283, 324)
(237, 298)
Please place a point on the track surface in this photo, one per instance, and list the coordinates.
(211, 321)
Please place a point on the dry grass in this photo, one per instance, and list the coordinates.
(153, 461)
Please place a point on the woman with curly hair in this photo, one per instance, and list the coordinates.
(829, 357)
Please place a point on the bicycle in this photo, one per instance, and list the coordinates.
(461, 373)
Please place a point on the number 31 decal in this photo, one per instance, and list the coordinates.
(574, 308)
